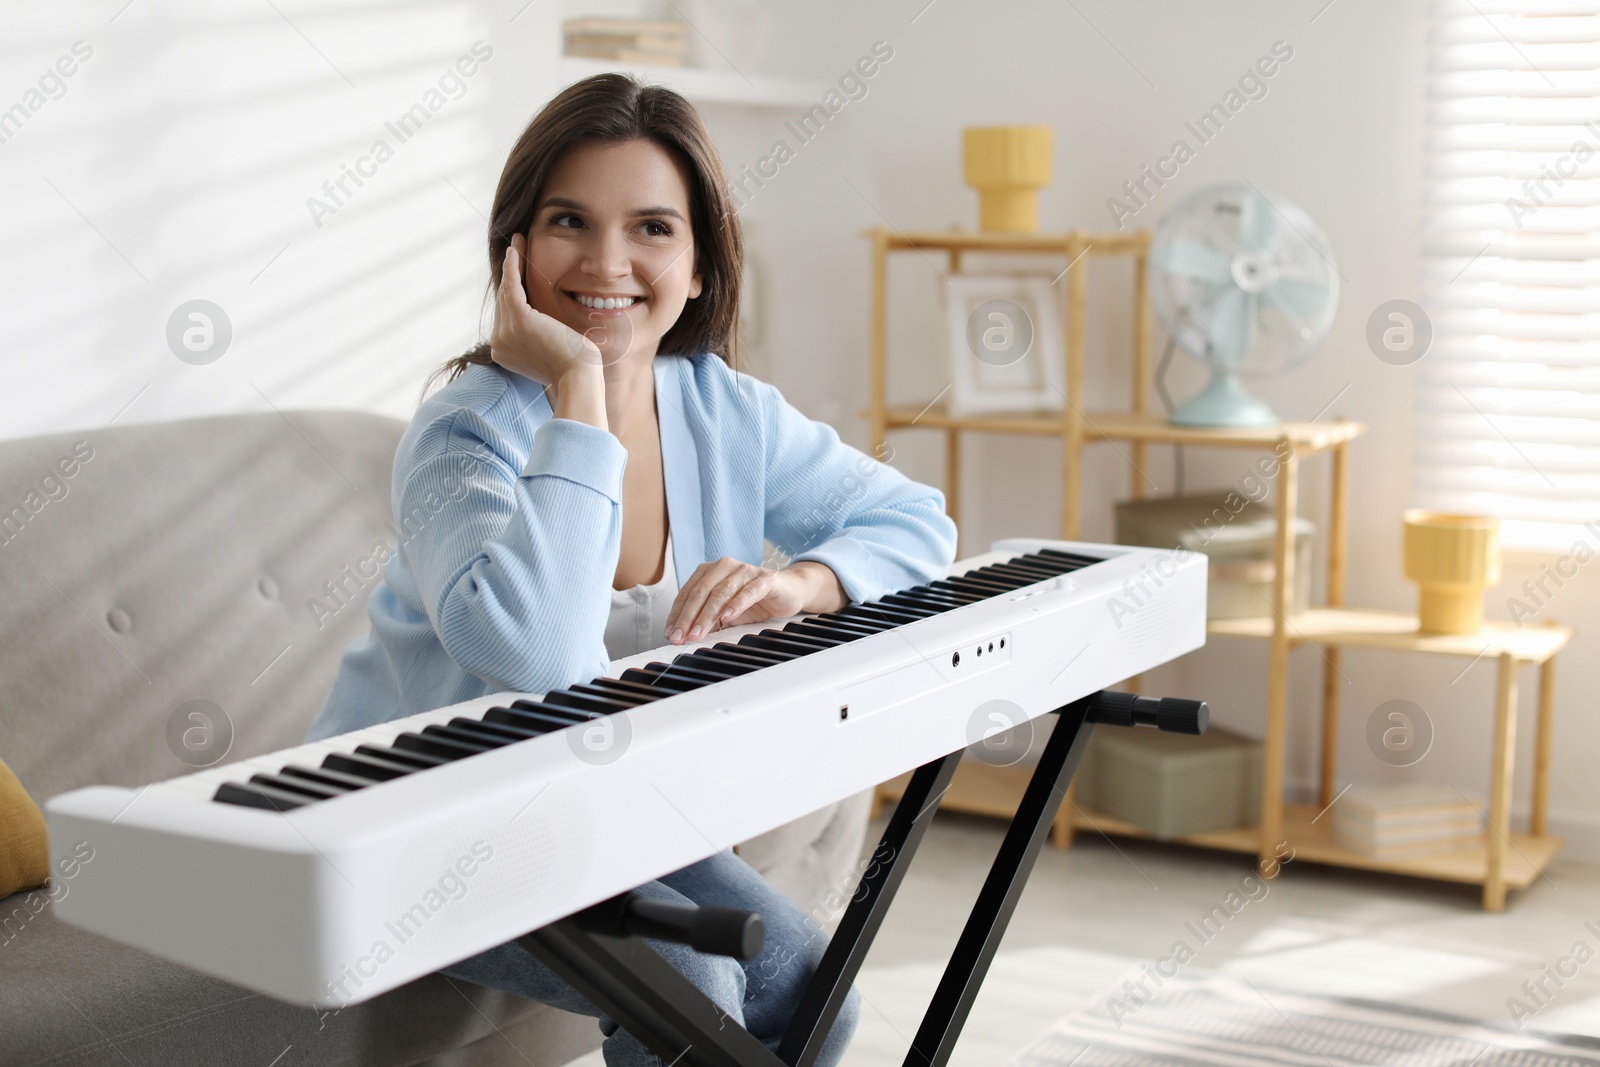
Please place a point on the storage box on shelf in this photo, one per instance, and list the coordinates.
(1167, 790)
(1407, 821)
(1235, 533)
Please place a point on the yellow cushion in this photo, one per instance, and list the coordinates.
(24, 848)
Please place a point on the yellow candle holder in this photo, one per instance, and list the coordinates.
(1007, 165)
(1453, 559)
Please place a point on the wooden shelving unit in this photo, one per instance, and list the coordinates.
(1506, 860)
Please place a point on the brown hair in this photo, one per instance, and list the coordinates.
(616, 107)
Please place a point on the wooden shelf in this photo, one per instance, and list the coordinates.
(984, 789)
(1128, 426)
(1504, 862)
(703, 86)
(1527, 856)
(1397, 631)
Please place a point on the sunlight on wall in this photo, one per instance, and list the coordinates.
(321, 176)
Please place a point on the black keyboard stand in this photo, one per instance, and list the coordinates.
(628, 980)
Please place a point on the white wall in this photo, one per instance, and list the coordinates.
(179, 160)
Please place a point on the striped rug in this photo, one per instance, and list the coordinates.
(1204, 1019)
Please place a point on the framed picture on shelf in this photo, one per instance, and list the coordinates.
(1004, 336)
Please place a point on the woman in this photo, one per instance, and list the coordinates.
(597, 448)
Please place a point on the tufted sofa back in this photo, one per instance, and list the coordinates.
(149, 573)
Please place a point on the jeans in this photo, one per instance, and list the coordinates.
(760, 994)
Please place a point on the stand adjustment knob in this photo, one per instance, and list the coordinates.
(1172, 714)
(708, 928)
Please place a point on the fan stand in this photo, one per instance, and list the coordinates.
(1223, 403)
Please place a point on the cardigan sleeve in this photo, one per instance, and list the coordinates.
(511, 566)
(826, 501)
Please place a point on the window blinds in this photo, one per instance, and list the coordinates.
(1508, 405)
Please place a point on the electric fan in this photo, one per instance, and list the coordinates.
(1246, 286)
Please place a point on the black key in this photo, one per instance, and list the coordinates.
(766, 657)
(1055, 566)
(617, 689)
(971, 585)
(251, 795)
(720, 671)
(465, 737)
(747, 660)
(494, 729)
(1062, 566)
(1024, 573)
(800, 646)
(819, 643)
(985, 574)
(531, 720)
(823, 637)
(727, 666)
(433, 745)
(1028, 566)
(840, 628)
(901, 609)
(673, 670)
(976, 583)
(674, 684)
(326, 776)
(562, 698)
(943, 593)
(780, 655)
(889, 615)
(854, 622)
(933, 597)
(862, 626)
(1009, 579)
(621, 688)
(570, 714)
(838, 634)
(418, 761)
(314, 790)
(374, 768)
(1000, 573)
(927, 601)
(1082, 561)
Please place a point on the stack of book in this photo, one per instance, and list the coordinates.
(1399, 822)
(659, 43)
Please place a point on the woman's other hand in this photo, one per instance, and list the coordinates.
(730, 592)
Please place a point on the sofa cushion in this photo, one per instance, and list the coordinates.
(24, 852)
(74, 999)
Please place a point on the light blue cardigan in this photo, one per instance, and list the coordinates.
(510, 526)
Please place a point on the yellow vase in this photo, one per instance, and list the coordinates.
(1453, 559)
(1007, 165)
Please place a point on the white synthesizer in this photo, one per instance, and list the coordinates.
(328, 873)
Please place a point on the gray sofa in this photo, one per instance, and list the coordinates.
(146, 566)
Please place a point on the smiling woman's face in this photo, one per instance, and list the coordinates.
(610, 252)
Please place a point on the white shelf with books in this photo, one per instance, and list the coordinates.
(702, 86)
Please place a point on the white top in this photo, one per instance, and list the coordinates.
(638, 618)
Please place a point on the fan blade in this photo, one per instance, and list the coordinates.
(1192, 259)
(1257, 226)
(1299, 296)
(1229, 327)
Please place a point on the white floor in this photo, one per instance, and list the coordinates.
(1092, 915)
